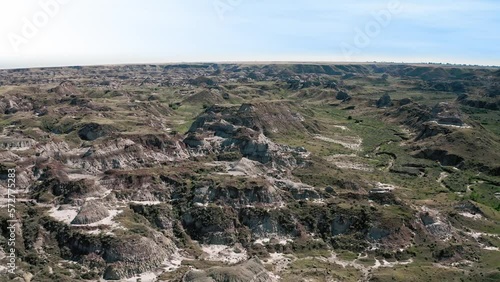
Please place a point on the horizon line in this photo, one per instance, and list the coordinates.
(256, 62)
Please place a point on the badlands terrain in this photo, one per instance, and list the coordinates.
(252, 173)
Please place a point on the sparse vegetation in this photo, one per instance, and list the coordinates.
(207, 165)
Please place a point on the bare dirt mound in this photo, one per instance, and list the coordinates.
(66, 88)
(205, 97)
(249, 271)
(91, 212)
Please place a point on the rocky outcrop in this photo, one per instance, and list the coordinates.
(250, 193)
(13, 102)
(205, 97)
(267, 118)
(158, 142)
(294, 84)
(222, 129)
(343, 96)
(160, 215)
(384, 197)
(435, 225)
(299, 191)
(130, 256)
(431, 130)
(128, 186)
(203, 81)
(250, 271)
(123, 153)
(93, 131)
(384, 102)
(64, 190)
(447, 114)
(442, 156)
(405, 101)
(13, 143)
(211, 225)
(341, 225)
(412, 115)
(264, 223)
(492, 103)
(117, 256)
(91, 212)
(469, 207)
(65, 88)
(443, 86)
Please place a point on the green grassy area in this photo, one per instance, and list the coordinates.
(417, 273)
(487, 118)
(484, 193)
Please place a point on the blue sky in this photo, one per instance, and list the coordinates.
(78, 32)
